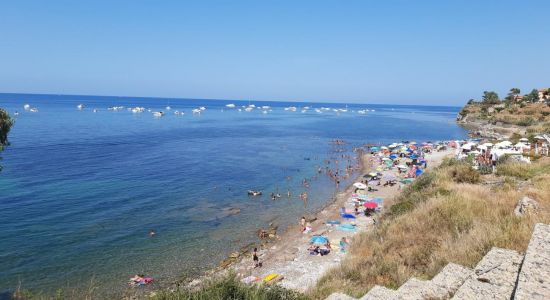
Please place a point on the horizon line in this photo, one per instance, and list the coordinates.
(215, 99)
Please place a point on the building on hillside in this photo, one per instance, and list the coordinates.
(544, 94)
(518, 98)
(541, 145)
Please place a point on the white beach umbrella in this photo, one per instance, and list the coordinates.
(360, 185)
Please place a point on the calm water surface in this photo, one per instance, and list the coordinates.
(80, 190)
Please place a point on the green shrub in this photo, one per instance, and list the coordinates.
(231, 288)
(401, 207)
(463, 173)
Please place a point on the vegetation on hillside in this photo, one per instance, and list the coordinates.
(230, 288)
(450, 214)
(6, 122)
(527, 111)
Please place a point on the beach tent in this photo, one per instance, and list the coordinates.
(503, 144)
(360, 185)
(374, 149)
(319, 240)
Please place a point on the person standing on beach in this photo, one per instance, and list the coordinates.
(255, 258)
(303, 224)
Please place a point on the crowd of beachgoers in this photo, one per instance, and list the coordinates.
(298, 257)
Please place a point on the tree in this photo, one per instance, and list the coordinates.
(532, 97)
(490, 98)
(471, 101)
(6, 122)
(511, 97)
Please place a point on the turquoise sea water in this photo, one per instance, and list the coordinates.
(80, 190)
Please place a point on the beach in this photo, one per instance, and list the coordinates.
(288, 255)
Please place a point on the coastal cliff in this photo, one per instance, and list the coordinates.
(505, 120)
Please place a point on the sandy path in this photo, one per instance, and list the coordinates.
(288, 256)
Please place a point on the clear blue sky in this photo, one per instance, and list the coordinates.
(409, 52)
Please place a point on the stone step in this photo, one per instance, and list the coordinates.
(494, 276)
(413, 289)
(339, 296)
(534, 277)
(445, 284)
(380, 293)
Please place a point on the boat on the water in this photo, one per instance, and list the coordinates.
(80, 106)
(158, 114)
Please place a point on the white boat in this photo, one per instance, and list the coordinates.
(248, 109)
(158, 114)
(26, 107)
(168, 107)
(231, 105)
(179, 113)
(202, 108)
(95, 110)
(265, 107)
(318, 111)
(264, 111)
(80, 106)
(16, 113)
(251, 105)
(196, 111)
(34, 109)
(239, 110)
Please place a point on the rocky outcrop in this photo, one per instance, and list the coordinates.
(501, 274)
(526, 205)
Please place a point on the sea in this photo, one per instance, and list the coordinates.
(81, 189)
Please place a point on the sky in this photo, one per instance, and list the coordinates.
(398, 52)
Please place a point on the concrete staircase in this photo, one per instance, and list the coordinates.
(501, 274)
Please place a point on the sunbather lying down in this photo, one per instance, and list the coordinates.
(138, 280)
(317, 250)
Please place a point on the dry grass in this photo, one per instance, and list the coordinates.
(446, 221)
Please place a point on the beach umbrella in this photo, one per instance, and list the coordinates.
(346, 227)
(378, 200)
(384, 148)
(389, 177)
(407, 180)
(360, 185)
(319, 240)
(402, 167)
(371, 205)
(393, 156)
(414, 156)
(347, 216)
(373, 148)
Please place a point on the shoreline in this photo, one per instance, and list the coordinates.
(287, 255)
